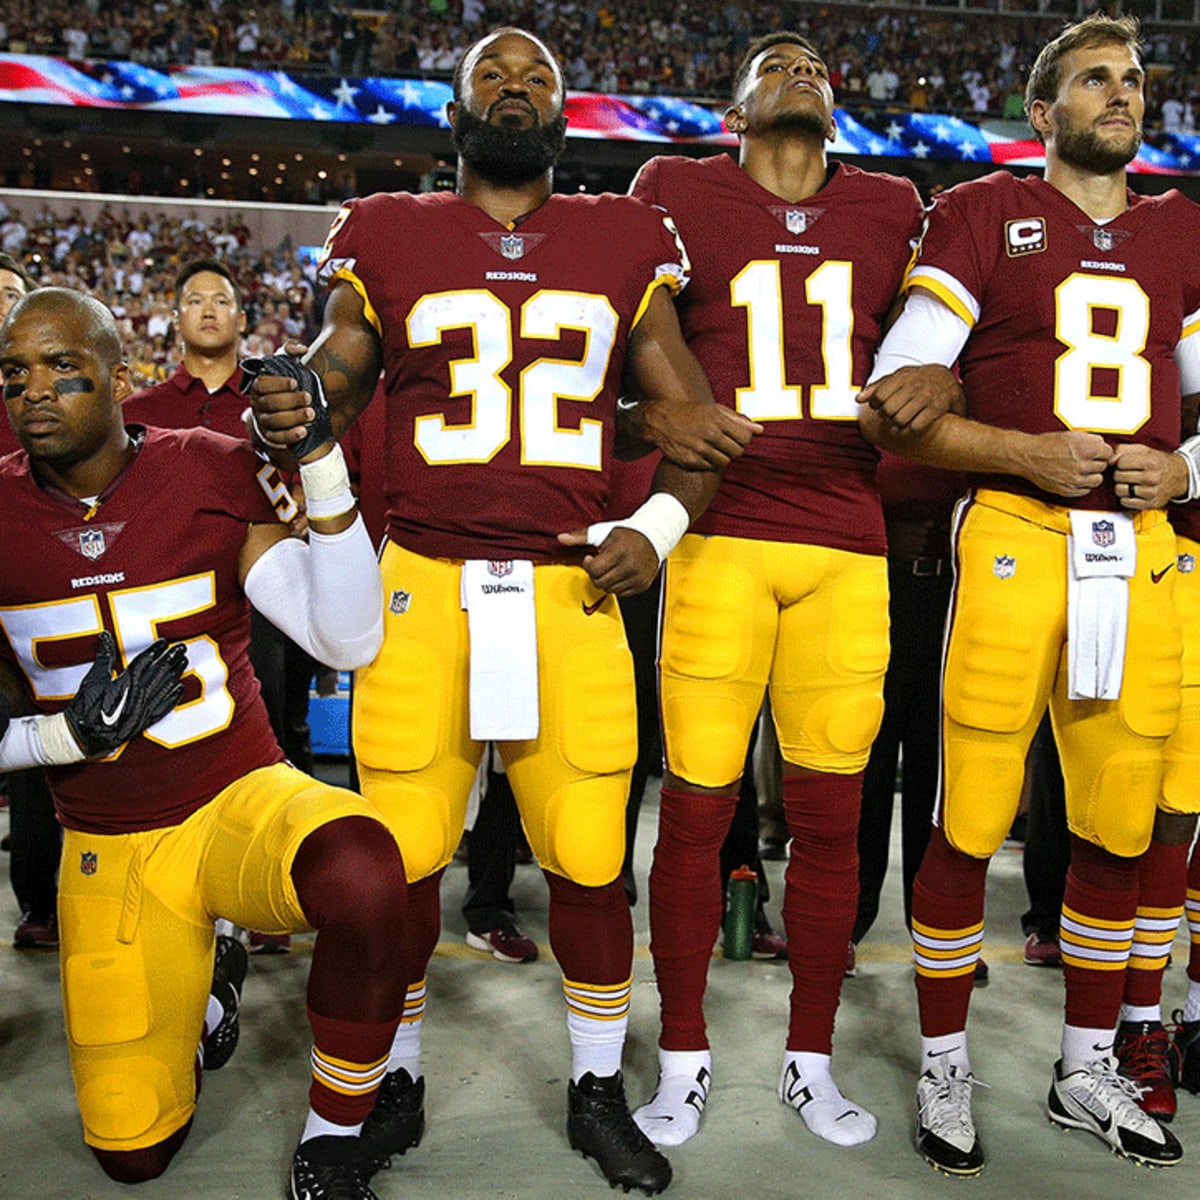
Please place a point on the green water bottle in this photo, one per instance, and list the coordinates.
(739, 913)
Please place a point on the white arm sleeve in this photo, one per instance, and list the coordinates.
(925, 332)
(326, 595)
(1187, 359)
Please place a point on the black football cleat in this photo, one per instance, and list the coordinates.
(600, 1126)
(397, 1122)
(329, 1168)
(229, 973)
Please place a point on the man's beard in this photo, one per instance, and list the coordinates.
(801, 120)
(508, 154)
(1085, 148)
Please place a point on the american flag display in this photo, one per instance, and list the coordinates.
(236, 92)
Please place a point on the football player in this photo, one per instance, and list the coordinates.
(1068, 302)
(783, 581)
(131, 535)
(505, 320)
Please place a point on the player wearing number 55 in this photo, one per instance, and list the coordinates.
(1073, 309)
(128, 535)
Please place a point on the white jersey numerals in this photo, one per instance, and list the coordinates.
(1124, 406)
(758, 289)
(543, 383)
(136, 615)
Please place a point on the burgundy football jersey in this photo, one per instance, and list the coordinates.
(503, 351)
(1073, 324)
(785, 311)
(157, 559)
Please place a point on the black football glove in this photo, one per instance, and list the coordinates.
(106, 712)
(320, 428)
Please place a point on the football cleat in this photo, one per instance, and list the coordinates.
(1146, 1056)
(1096, 1098)
(397, 1122)
(1187, 1052)
(946, 1136)
(329, 1168)
(229, 973)
(599, 1126)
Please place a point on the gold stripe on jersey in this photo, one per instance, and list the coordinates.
(347, 1078)
(599, 1002)
(1153, 935)
(941, 285)
(668, 279)
(1093, 942)
(344, 273)
(1191, 324)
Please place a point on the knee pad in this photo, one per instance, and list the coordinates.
(982, 782)
(420, 816)
(706, 741)
(121, 1103)
(1117, 812)
(838, 731)
(583, 838)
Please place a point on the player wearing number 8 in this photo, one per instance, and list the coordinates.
(784, 583)
(1073, 309)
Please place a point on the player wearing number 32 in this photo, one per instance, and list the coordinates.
(128, 535)
(784, 581)
(1073, 309)
(506, 321)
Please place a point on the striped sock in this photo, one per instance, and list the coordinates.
(1162, 886)
(597, 1020)
(349, 1059)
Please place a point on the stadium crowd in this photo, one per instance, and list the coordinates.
(909, 59)
(130, 262)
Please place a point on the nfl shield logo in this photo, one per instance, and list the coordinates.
(1104, 533)
(91, 543)
(499, 567)
(512, 245)
(87, 862)
(796, 221)
(1102, 239)
(399, 602)
(1186, 563)
(1004, 567)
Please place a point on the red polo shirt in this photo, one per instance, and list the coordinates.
(183, 402)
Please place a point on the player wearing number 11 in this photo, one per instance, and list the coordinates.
(784, 583)
(1073, 309)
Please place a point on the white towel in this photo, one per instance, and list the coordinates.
(498, 598)
(1101, 558)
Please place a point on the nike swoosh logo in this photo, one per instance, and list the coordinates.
(110, 719)
(590, 609)
(1155, 576)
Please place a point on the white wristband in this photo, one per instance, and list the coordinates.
(39, 742)
(1190, 453)
(326, 482)
(662, 520)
